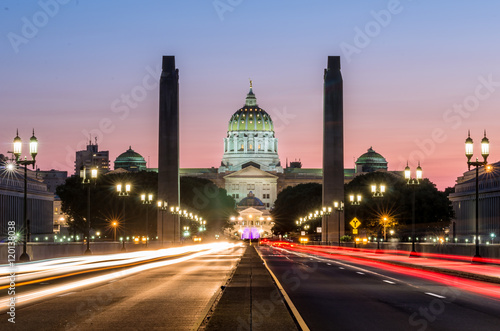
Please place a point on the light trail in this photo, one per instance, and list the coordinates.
(197, 250)
(477, 287)
(30, 271)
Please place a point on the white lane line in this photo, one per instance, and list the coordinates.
(435, 295)
(388, 281)
(359, 272)
(62, 295)
(328, 264)
(358, 268)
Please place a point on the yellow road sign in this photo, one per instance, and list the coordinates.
(354, 231)
(355, 223)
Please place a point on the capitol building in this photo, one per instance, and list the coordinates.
(251, 171)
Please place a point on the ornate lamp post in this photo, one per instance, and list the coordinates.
(339, 206)
(485, 151)
(327, 211)
(87, 181)
(147, 199)
(413, 182)
(378, 192)
(162, 206)
(17, 153)
(123, 192)
(355, 200)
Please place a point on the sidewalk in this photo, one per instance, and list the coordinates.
(449, 264)
(251, 300)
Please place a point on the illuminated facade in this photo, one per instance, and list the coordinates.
(39, 203)
(464, 205)
(253, 221)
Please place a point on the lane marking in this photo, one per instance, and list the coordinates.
(289, 302)
(435, 295)
(359, 272)
(388, 281)
(62, 295)
(356, 267)
(328, 264)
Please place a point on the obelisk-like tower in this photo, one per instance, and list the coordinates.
(333, 149)
(168, 151)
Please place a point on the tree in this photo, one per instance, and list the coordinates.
(294, 202)
(211, 202)
(197, 195)
(433, 210)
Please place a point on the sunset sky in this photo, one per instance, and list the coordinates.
(417, 76)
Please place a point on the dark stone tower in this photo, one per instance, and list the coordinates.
(168, 150)
(333, 149)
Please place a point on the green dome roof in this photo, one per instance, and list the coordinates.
(371, 161)
(250, 117)
(130, 160)
(130, 155)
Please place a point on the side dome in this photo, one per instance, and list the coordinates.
(130, 160)
(250, 117)
(371, 161)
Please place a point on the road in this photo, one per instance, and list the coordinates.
(338, 293)
(163, 296)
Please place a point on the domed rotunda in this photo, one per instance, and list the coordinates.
(371, 161)
(130, 161)
(250, 139)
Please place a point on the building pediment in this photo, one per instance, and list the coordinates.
(250, 172)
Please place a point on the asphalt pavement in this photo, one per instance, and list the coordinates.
(173, 297)
(337, 292)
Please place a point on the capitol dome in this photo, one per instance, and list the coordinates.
(250, 117)
(130, 161)
(371, 161)
(250, 139)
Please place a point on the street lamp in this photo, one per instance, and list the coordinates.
(87, 181)
(147, 200)
(33, 145)
(355, 200)
(114, 224)
(123, 191)
(162, 206)
(378, 190)
(339, 206)
(327, 211)
(485, 151)
(413, 182)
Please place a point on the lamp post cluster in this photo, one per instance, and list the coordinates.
(184, 213)
(33, 148)
(413, 182)
(324, 211)
(485, 152)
